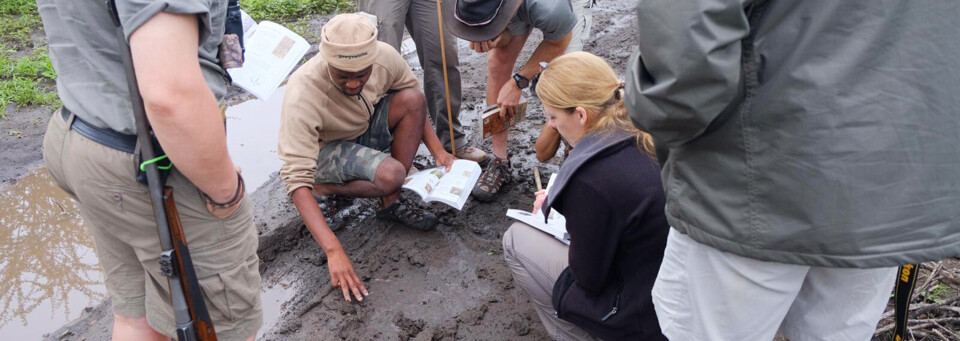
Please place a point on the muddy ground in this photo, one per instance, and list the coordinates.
(447, 284)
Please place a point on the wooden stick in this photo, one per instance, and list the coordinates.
(536, 177)
(446, 81)
(930, 277)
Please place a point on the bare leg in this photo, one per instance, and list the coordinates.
(406, 120)
(408, 112)
(125, 328)
(500, 65)
(388, 180)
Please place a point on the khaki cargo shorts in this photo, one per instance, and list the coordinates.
(118, 214)
(358, 159)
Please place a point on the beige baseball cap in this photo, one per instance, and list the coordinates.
(348, 42)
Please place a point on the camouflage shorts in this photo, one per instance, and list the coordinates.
(358, 159)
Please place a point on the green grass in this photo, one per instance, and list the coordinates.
(24, 91)
(305, 29)
(939, 293)
(18, 28)
(293, 9)
(18, 7)
(24, 79)
(27, 78)
(21, 79)
(34, 66)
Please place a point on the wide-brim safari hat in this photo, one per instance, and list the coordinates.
(478, 20)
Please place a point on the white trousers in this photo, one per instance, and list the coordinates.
(702, 293)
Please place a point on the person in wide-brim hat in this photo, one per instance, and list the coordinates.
(478, 20)
(501, 27)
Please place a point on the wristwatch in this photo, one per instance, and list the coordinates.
(522, 82)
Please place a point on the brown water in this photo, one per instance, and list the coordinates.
(48, 268)
(49, 271)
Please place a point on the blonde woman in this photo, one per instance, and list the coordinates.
(609, 190)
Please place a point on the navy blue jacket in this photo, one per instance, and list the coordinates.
(611, 195)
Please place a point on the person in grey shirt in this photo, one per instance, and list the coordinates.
(90, 150)
(813, 147)
(502, 28)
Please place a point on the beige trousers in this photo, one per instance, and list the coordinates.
(118, 213)
(537, 259)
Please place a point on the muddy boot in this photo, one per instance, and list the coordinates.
(407, 214)
(472, 153)
(494, 176)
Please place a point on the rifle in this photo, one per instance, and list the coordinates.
(192, 318)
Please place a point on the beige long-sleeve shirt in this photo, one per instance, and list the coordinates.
(316, 112)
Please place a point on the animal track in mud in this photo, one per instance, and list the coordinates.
(440, 285)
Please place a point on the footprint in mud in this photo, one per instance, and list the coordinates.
(473, 316)
(409, 328)
(521, 325)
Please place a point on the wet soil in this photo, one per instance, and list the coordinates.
(21, 135)
(447, 284)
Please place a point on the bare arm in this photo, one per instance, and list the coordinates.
(433, 144)
(341, 269)
(509, 95)
(545, 52)
(179, 104)
(547, 144)
(313, 218)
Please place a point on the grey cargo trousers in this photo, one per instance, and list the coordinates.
(420, 19)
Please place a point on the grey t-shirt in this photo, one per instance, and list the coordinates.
(555, 18)
(84, 51)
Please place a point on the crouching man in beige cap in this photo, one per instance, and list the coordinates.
(352, 120)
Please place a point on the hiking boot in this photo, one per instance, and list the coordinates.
(494, 176)
(410, 215)
(472, 153)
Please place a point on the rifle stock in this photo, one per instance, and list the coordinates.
(202, 324)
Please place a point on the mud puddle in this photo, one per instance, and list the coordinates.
(448, 284)
(272, 299)
(48, 269)
(252, 131)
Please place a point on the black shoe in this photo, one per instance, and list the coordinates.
(494, 176)
(409, 215)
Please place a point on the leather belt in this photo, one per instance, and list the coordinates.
(107, 137)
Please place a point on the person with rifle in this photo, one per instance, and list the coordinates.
(92, 152)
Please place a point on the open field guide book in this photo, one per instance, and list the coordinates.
(271, 52)
(438, 185)
(555, 225)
